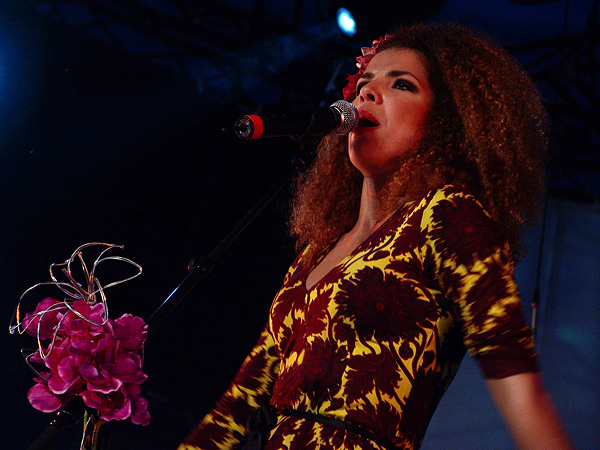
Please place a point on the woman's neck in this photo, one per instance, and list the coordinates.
(370, 212)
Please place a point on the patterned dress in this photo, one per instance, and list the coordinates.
(377, 340)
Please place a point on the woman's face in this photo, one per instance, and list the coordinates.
(393, 101)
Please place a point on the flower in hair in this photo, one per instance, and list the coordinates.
(349, 91)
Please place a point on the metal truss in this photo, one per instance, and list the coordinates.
(567, 70)
(221, 45)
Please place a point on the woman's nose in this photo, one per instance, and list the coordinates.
(369, 92)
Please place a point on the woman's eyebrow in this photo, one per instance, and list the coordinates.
(389, 73)
(399, 73)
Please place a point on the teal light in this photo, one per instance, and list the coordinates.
(346, 22)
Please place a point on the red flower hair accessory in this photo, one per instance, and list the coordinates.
(349, 91)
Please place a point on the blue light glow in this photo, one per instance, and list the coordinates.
(346, 22)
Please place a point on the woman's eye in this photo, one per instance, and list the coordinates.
(359, 87)
(404, 85)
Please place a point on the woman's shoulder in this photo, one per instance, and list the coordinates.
(450, 199)
(456, 223)
(449, 192)
(450, 206)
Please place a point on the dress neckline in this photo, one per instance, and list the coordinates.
(325, 252)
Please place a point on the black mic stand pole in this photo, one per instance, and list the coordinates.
(200, 267)
(72, 412)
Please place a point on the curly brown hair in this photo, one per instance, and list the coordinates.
(486, 132)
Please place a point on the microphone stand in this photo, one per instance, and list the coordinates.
(67, 416)
(199, 268)
(72, 412)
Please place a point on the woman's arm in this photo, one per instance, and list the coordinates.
(528, 411)
(223, 427)
(473, 266)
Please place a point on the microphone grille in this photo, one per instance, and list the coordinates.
(349, 116)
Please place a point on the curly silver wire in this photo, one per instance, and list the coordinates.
(74, 292)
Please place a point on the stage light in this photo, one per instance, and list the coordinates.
(346, 22)
(370, 19)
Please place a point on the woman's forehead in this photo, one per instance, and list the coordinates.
(395, 60)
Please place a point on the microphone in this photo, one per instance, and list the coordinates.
(341, 117)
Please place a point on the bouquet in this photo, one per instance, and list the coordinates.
(83, 351)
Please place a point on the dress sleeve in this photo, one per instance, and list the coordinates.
(224, 425)
(474, 268)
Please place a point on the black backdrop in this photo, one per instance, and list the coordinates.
(99, 146)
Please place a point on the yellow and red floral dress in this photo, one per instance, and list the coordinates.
(377, 341)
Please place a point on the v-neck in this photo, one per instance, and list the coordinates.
(344, 260)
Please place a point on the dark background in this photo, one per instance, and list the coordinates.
(110, 124)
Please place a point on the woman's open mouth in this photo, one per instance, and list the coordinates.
(366, 120)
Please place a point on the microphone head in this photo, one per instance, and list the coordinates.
(348, 114)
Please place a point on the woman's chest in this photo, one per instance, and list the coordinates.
(380, 291)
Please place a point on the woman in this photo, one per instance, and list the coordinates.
(404, 230)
